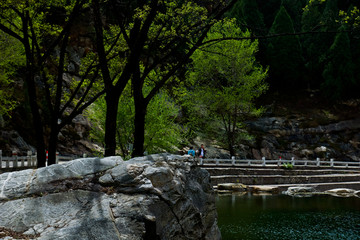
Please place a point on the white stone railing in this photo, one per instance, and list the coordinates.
(278, 162)
(28, 161)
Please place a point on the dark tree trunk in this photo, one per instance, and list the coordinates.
(140, 113)
(112, 103)
(231, 150)
(53, 140)
(36, 118)
(37, 122)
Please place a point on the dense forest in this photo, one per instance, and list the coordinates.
(152, 75)
(320, 51)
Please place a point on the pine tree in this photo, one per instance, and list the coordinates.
(248, 16)
(318, 17)
(284, 53)
(338, 72)
(295, 9)
(269, 9)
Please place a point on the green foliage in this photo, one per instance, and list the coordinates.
(11, 59)
(42, 33)
(284, 53)
(295, 10)
(162, 133)
(227, 79)
(338, 72)
(124, 133)
(248, 16)
(288, 166)
(269, 8)
(330, 15)
(351, 17)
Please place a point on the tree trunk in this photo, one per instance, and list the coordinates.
(231, 143)
(37, 122)
(140, 114)
(112, 103)
(53, 140)
(231, 150)
(29, 78)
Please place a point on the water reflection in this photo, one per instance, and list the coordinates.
(283, 217)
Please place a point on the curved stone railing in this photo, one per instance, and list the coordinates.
(279, 162)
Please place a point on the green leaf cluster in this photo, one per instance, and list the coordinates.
(11, 60)
(162, 133)
(226, 80)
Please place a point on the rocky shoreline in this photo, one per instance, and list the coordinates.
(295, 191)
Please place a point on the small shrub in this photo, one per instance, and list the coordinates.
(288, 166)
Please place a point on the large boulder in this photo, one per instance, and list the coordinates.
(153, 197)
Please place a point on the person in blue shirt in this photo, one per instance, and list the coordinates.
(191, 152)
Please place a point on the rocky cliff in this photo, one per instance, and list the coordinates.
(153, 197)
(306, 128)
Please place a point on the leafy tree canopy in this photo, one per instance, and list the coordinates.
(227, 79)
(11, 59)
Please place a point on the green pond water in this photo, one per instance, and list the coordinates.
(284, 217)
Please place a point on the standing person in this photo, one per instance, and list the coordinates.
(191, 152)
(202, 151)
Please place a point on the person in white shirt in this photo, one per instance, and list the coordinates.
(202, 151)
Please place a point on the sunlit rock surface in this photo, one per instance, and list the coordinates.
(153, 197)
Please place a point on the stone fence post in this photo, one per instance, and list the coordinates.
(28, 158)
(15, 159)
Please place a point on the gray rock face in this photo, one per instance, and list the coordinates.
(153, 197)
(300, 191)
(289, 137)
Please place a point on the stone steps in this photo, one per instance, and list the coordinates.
(322, 178)
(281, 179)
(222, 171)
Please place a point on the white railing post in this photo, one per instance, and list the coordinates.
(28, 158)
(233, 161)
(279, 161)
(57, 158)
(217, 162)
(293, 161)
(318, 162)
(249, 162)
(15, 159)
(331, 162)
(22, 161)
(7, 163)
(263, 161)
(84, 155)
(34, 159)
